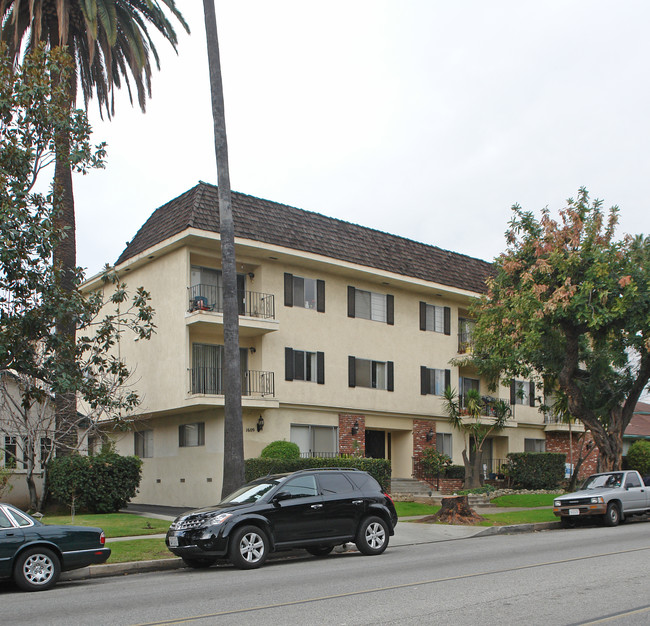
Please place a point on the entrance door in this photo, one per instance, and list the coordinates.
(375, 444)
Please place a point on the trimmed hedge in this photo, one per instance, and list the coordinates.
(638, 457)
(536, 470)
(281, 450)
(101, 484)
(379, 469)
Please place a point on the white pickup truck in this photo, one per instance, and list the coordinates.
(612, 496)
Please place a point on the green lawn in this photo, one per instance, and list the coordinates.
(114, 524)
(138, 550)
(525, 500)
(408, 509)
(518, 517)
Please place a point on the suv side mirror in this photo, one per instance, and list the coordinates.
(281, 495)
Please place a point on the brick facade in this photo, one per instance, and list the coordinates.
(347, 440)
(420, 430)
(559, 442)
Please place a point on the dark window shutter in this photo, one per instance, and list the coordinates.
(181, 436)
(531, 400)
(350, 301)
(390, 379)
(447, 321)
(447, 379)
(320, 368)
(423, 315)
(288, 289)
(352, 375)
(513, 392)
(320, 296)
(390, 310)
(288, 364)
(299, 365)
(424, 380)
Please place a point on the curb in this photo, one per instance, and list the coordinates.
(519, 528)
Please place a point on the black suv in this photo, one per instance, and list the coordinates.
(315, 509)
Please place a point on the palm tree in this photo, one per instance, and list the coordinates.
(233, 436)
(110, 44)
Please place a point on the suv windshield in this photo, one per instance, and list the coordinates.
(250, 493)
(603, 480)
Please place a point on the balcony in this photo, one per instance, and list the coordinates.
(465, 343)
(553, 423)
(208, 381)
(256, 310)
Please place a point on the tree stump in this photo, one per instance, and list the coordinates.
(455, 510)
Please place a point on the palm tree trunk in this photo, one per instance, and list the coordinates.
(65, 260)
(233, 436)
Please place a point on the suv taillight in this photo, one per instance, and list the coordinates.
(389, 498)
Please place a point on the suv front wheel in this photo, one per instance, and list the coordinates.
(249, 547)
(372, 537)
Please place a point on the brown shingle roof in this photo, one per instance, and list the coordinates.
(639, 425)
(281, 225)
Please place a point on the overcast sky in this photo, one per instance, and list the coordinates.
(421, 118)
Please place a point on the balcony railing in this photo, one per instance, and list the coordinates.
(312, 454)
(465, 342)
(250, 303)
(488, 406)
(209, 381)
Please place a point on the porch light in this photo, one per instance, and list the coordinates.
(260, 424)
(430, 434)
(355, 428)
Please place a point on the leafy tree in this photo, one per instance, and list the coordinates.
(433, 462)
(32, 297)
(476, 423)
(571, 303)
(233, 435)
(110, 43)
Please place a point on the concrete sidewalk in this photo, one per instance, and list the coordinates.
(406, 534)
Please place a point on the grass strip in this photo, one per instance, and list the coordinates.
(114, 524)
(138, 550)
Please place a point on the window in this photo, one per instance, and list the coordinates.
(4, 521)
(534, 445)
(465, 334)
(301, 486)
(206, 290)
(522, 392)
(207, 369)
(374, 374)
(191, 435)
(11, 452)
(143, 444)
(443, 444)
(315, 441)
(307, 293)
(435, 318)
(304, 365)
(433, 381)
(465, 385)
(371, 306)
(632, 480)
(334, 483)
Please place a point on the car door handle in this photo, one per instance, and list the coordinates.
(357, 501)
(316, 506)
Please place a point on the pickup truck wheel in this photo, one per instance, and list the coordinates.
(613, 515)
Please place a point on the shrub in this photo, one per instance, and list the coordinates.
(455, 471)
(477, 490)
(101, 484)
(433, 462)
(379, 469)
(638, 457)
(281, 450)
(536, 470)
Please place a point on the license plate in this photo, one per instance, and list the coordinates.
(173, 542)
(574, 511)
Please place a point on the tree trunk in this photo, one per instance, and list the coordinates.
(233, 436)
(473, 477)
(65, 262)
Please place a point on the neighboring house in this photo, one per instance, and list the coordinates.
(639, 426)
(25, 438)
(346, 339)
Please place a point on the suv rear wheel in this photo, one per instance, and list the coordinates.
(372, 537)
(249, 547)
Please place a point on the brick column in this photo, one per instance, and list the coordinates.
(559, 442)
(420, 430)
(346, 438)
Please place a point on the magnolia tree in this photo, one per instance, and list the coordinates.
(42, 362)
(571, 303)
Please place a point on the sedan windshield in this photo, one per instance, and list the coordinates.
(604, 480)
(250, 493)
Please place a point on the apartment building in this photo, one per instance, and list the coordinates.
(346, 337)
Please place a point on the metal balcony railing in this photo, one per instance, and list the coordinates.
(209, 381)
(250, 303)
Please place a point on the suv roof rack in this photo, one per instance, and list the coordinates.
(320, 469)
